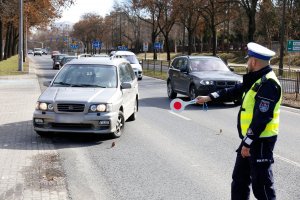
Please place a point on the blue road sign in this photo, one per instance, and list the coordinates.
(122, 48)
(157, 45)
(74, 46)
(97, 44)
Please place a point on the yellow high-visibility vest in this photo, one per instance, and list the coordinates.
(248, 108)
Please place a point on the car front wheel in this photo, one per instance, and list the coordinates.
(193, 92)
(119, 126)
(171, 93)
(43, 133)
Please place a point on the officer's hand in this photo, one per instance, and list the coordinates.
(203, 99)
(245, 152)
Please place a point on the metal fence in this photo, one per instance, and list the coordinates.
(289, 78)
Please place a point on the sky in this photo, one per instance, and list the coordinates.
(73, 14)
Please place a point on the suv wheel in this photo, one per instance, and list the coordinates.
(193, 92)
(171, 93)
(119, 126)
(43, 133)
(237, 102)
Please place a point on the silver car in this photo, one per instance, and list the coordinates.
(92, 95)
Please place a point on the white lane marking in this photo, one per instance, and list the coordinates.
(179, 116)
(287, 160)
(291, 110)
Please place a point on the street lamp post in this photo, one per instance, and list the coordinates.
(20, 66)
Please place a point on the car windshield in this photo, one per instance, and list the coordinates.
(131, 59)
(37, 49)
(208, 65)
(60, 57)
(68, 59)
(84, 75)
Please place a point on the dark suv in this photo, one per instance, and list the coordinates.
(200, 75)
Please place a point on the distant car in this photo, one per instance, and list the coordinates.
(131, 57)
(57, 59)
(92, 95)
(37, 51)
(66, 59)
(100, 55)
(30, 51)
(44, 51)
(200, 75)
(54, 53)
(84, 55)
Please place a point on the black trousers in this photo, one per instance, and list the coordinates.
(256, 169)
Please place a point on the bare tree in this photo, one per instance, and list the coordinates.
(147, 11)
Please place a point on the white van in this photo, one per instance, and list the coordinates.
(132, 59)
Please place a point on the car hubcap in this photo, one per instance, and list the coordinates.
(135, 107)
(119, 126)
(193, 95)
(169, 89)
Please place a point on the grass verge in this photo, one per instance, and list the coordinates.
(10, 67)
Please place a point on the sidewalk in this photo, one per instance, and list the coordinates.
(29, 165)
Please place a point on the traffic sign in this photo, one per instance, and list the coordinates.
(145, 46)
(74, 46)
(293, 46)
(122, 48)
(157, 45)
(97, 44)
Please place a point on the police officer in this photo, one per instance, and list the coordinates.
(258, 121)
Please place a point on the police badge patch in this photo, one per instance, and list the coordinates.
(264, 105)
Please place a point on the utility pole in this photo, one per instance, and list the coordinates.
(282, 33)
(20, 68)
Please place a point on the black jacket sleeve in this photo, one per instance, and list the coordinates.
(235, 91)
(265, 101)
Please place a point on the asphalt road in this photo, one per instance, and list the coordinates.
(163, 155)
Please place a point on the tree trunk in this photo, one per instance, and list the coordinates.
(183, 39)
(153, 38)
(214, 38)
(7, 42)
(15, 41)
(167, 47)
(189, 42)
(252, 27)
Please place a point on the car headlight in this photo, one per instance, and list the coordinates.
(50, 106)
(93, 108)
(44, 106)
(205, 82)
(101, 108)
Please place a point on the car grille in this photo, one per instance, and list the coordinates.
(70, 107)
(225, 83)
(71, 126)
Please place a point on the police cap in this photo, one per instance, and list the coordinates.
(258, 51)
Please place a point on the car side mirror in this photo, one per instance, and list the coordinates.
(184, 70)
(126, 85)
(46, 83)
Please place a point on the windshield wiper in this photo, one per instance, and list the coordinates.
(61, 83)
